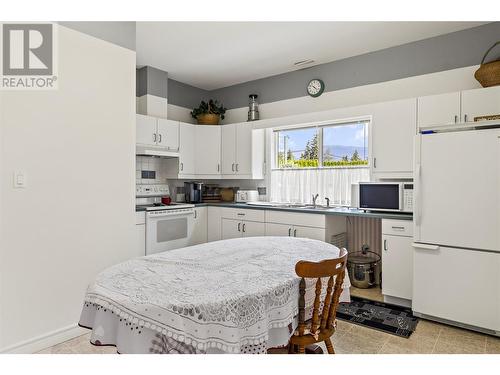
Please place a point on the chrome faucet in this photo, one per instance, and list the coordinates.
(314, 199)
(327, 201)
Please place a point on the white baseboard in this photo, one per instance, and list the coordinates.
(45, 341)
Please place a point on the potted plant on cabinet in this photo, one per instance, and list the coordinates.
(209, 113)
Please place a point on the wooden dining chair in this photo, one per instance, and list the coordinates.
(321, 326)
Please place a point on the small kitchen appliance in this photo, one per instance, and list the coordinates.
(362, 267)
(193, 192)
(385, 196)
(244, 196)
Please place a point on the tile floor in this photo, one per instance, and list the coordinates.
(374, 294)
(429, 337)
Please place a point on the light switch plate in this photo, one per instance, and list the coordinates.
(19, 180)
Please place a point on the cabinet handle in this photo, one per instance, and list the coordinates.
(182, 166)
(160, 138)
(239, 227)
(243, 227)
(237, 167)
(295, 232)
(466, 118)
(232, 167)
(456, 119)
(154, 137)
(385, 245)
(195, 214)
(289, 232)
(218, 167)
(374, 162)
(398, 228)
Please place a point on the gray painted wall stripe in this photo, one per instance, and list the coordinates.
(117, 32)
(445, 52)
(151, 81)
(185, 95)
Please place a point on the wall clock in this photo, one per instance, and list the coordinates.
(315, 87)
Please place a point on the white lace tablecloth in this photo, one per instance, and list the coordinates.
(223, 296)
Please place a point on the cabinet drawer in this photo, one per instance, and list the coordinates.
(295, 218)
(397, 227)
(243, 214)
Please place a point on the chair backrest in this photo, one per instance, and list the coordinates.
(334, 269)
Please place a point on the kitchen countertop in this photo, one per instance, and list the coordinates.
(338, 211)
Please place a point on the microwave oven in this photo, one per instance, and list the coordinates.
(383, 196)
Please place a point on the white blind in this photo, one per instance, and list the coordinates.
(298, 185)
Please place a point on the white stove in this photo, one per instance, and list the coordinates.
(167, 226)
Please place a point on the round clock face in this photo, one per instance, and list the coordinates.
(315, 87)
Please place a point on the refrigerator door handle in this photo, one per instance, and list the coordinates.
(425, 246)
(417, 195)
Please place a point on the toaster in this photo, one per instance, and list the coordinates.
(243, 196)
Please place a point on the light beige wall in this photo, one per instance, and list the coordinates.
(76, 146)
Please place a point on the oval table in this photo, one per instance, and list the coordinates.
(232, 296)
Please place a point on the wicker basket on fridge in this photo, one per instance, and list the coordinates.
(489, 74)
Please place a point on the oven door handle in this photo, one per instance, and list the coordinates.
(151, 217)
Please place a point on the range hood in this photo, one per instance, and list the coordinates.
(143, 150)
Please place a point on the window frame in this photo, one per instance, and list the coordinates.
(319, 131)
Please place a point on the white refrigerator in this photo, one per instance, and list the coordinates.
(457, 227)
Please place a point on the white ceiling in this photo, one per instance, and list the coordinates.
(211, 55)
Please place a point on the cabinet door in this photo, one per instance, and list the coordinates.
(458, 285)
(186, 148)
(439, 110)
(394, 129)
(273, 229)
(231, 229)
(168, 134)
(253, 229)
(145, 130)
(228, 161)
(397, 266)
(207, 156)
(244, 149)
(214, 224)
(480, 102)
(200, 222)
(308, 232)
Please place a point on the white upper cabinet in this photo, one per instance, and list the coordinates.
(187, 148)
(168, 134)
(152, 131)
(458, 107)
(146, 130)
(442, 109)
(229, 149)
(244, 143)
(393, 131)
(243, 151)
(480, 102)
(207, 151)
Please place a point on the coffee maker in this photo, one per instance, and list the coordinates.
(193, 192)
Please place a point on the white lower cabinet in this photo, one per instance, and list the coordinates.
(458, 285)
(397, 259)
(200, 226)
(232, 228)
(279, 223)
(214, 225)
(273, 229)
